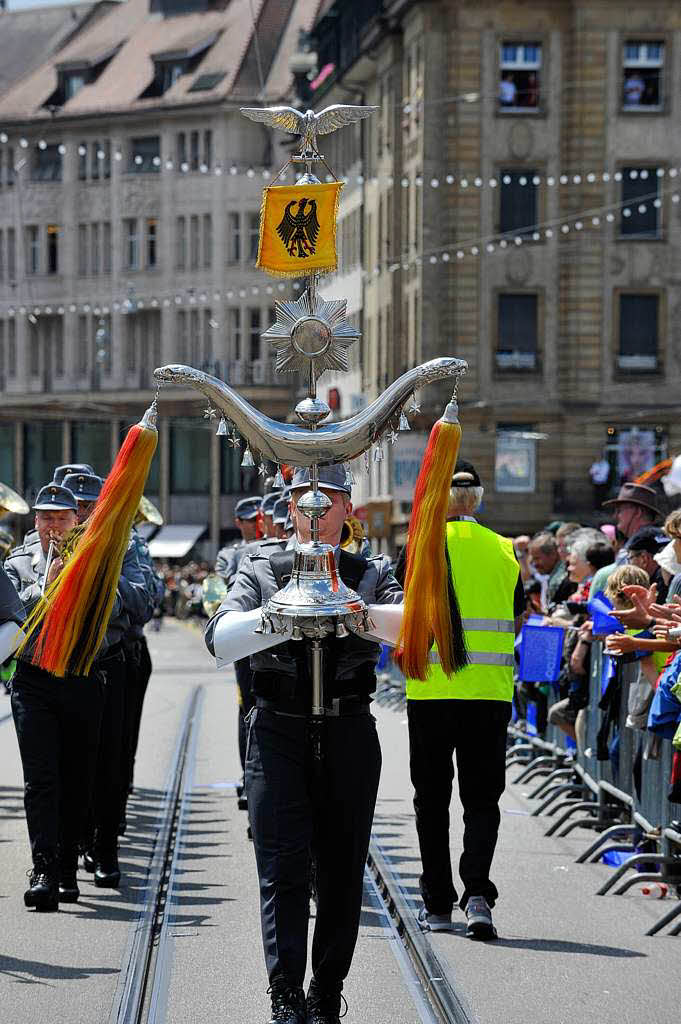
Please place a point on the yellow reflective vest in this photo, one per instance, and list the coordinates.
(484, 573)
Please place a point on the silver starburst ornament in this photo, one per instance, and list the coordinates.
(312, 331)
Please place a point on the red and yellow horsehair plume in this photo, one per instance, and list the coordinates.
(72, 618)
(427, 613)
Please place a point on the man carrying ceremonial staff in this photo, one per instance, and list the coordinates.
(297, 809)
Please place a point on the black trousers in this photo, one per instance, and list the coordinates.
(138, 665)
(476, 730)
(298, 812)
(57, 723)
(110, 787)
(244, 679)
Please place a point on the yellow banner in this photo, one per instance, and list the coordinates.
(298, 229)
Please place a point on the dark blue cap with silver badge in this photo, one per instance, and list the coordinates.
(247, 508)
(332, 478)
(55, 498)
(71, 467)
(269, 501)
(280, 511)
(85, 486)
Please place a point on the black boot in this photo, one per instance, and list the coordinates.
(107, 871)
(43, 892)
(288, 1003)
(68, 883)
(323, 1005)
(89, 861)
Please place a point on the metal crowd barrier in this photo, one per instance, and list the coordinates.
(579, 790)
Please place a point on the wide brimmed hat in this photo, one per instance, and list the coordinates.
(635, 494)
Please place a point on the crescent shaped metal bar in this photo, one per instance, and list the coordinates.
(328, 444)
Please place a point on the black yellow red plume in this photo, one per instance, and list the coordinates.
(430, 609)
(72, 618)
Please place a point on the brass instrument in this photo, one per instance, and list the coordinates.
(62, 547)
(6, 542)
(213, 593)
(12, 502)
(352, 535)
(148, 513)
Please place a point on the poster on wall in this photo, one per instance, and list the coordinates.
(636, 453)
(515, 463)
(406, 463)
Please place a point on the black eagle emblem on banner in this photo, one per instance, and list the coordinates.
(299, 231)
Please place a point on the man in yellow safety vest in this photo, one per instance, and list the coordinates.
(467, 712)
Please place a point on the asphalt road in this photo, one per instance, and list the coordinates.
(565, 956)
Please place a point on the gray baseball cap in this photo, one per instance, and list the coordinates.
(85, 486)
(332, 478)
(71, 467)
(55, 498)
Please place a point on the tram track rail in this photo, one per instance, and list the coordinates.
(428, 978)
(142, 992)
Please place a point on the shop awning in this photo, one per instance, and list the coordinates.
(176, 541)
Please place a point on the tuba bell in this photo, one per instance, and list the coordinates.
(352, 535)
(148, 513)
(213, 593)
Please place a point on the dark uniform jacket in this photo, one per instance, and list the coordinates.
(25, 567)
(230, 557)
(154, 584)
(348, 661)
(11, 608)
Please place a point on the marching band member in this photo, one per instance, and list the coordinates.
(57, 722)
(293, 808)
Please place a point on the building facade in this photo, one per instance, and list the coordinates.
(519, 208)
(130, 191)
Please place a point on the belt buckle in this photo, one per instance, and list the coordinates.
(334, 710)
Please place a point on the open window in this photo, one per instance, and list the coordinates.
(642, 84)
(520, 77)
(170, 65)
(74, 74)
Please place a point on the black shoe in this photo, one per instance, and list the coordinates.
(68, 887)
(107, 870)
(43, 892)
(242, 803)
(324, 1005)
(68, 869)
(88, 861)
(288, 1003)
(107, 876)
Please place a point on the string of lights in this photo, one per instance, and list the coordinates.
(585, 220)
(462, 179)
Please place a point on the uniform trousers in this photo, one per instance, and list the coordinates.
(110, 789)
(244, 679)
(57, 723)
(299, 811)
(138, 664)
(476, 730)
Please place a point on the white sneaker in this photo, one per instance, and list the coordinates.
(479, 918)
(434, 922)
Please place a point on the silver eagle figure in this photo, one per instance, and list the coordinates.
(308, 125)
